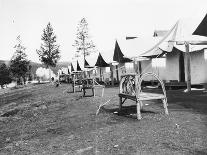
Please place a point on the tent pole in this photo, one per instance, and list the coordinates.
(100, 75)
(188, 69)
(117, 73)
(112, 76)
(135, 66)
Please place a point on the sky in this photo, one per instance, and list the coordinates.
(107, 21)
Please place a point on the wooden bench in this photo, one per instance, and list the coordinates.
(90, 83)
(130, 88)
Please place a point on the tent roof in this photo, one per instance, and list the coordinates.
(72, 68)
(135, 47)
(78, 67)
(118, 55)
(86, 64)
(101, 62)
(202, 28)
(182, 31)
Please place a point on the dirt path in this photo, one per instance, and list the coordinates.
(50, 120)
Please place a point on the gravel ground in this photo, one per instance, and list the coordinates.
(45, 119)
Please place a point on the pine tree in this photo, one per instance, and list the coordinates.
(49, 52)
(84, 46)
(19, 65)
(4, 75)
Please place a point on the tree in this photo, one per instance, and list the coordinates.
(19, 65)
(4, 75)
(84, 46)
(49, 52)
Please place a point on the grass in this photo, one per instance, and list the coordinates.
(45, 119)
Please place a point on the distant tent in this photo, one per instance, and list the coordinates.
(160, 33)
(202, 28)
(72, 68)
(127, 38)
(119, 56)
(78, 67)
(101, 62)
(86, 65)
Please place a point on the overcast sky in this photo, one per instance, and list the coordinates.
(107, 19)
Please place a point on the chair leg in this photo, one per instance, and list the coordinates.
(141, 105)
(74, 88)
(84, 92)
(139, 117)
(120, 103)
(165, 106)
(102, 92)
(94, 92)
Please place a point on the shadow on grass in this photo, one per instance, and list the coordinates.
(88, 96)
(180, 101)
(126, 111)
(71, 92)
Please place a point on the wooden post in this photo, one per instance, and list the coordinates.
(120, 103)
(135, 66)
(140, 67)
(117, 73)
(187, 66)
(74, 83)
(112, 74)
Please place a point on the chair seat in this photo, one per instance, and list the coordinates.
(143, 96)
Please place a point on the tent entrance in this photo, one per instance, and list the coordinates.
(181, 67)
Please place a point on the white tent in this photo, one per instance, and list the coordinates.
(180, 37)
(133, 48)
(180, 33)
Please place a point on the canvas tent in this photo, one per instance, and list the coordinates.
(72, 68)
(118, 55)
(78, 67)
(181, 44)
(86, 64)
(101, 62)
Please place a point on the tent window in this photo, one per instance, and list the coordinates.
(129, 65)
(159, 62)
(205, 54)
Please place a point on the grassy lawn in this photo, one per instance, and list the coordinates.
(45, 119)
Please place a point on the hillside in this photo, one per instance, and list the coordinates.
(36, 65)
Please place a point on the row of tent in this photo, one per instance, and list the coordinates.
(140, 52)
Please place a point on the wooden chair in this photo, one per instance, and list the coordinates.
(130, 88)
(77, 81)
(90, 83)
